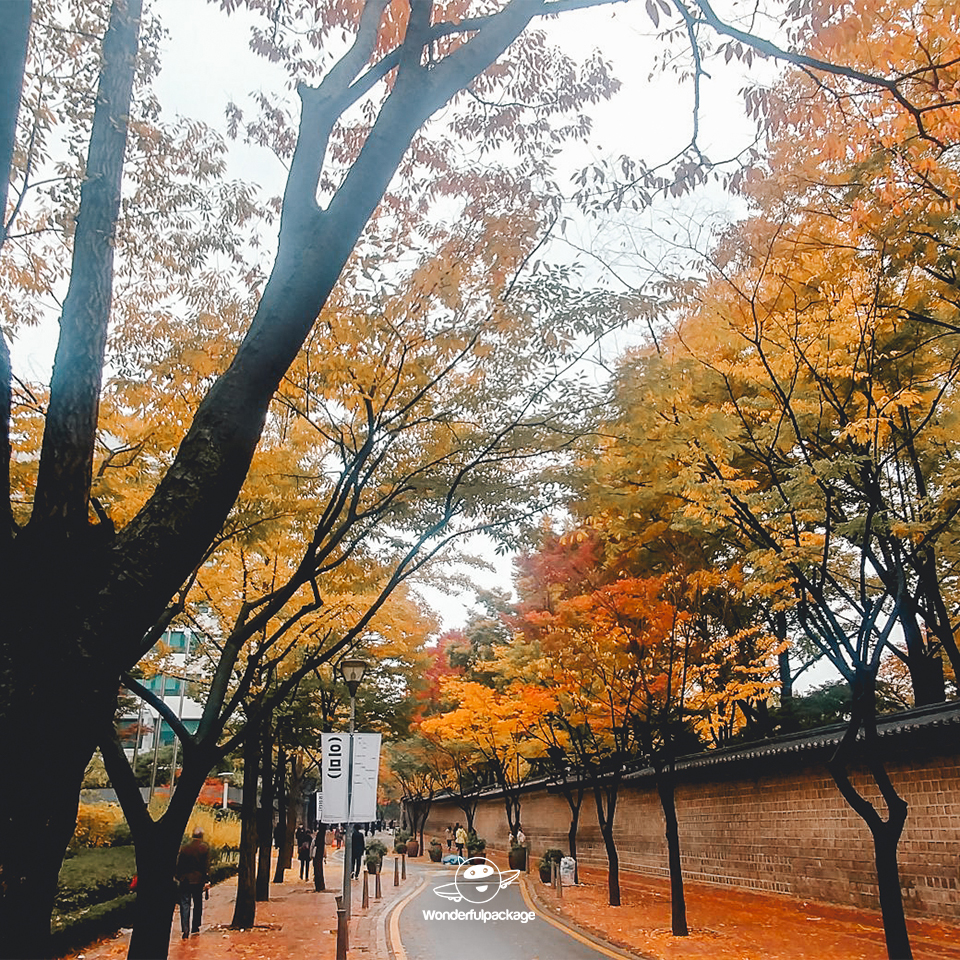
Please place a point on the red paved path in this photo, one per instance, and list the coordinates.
(299, 924)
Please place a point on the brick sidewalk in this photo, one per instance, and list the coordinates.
(297, 923)
(730, 924)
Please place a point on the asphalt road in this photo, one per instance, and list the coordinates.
(433, 926)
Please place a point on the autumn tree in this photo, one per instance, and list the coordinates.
(492, 726)
(410, 762)
(165, 522)
(812, 395)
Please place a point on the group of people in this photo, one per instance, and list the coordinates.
(458, 836)
(310, 845)
(193, 865)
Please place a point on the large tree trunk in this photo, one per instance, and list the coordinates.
(575, 803)
(885, 833)
(38, 803)
(245, 906)
(606, 800)
(33, 852)
(319, 883)
(13, 57)
(678, 906)
(156, 892)
(285, 823)
(265, 813)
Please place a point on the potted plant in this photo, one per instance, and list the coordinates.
(435, 850)
(376, 851)
(553, 855)
(517, 856)
(475, 845)
(400, 841)
(413, 847)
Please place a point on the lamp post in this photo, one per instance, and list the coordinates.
(225, 777)
(353, 670)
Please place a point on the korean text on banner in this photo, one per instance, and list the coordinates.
(335, 764)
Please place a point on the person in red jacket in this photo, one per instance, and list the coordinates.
(193, 879)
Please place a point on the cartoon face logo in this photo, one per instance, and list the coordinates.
(478, 881)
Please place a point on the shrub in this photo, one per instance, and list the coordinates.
(77, 929)
(552, 854)
(221, 831)
(476, 846)
(94, 875)
(97, 824)
(375, 849)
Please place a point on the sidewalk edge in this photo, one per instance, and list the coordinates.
(560, 919)
(385, 937)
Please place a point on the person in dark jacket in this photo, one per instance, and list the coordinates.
(303, 854)
(193, 879)
(357, 847)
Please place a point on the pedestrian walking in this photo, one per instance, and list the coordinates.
(357, 847)
(459, 838)
(448, 833)
(303, 855)
(193, 880)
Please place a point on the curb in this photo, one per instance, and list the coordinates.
(385, 933)
(560, 919)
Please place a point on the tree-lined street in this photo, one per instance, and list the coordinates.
(710, 460)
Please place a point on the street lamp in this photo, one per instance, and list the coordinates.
(352, 669)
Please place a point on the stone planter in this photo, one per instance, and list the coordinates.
(546, 874)
(436, 853)
(517, 858)
(413, 848)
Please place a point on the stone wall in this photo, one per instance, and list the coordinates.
(772, 823)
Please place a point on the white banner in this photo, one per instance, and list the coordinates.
(335, 748)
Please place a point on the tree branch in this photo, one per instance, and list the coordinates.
(66, 457)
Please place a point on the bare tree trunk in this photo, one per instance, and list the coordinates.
(886, 833)
(319, 883)
(156, 891)
(575, 802)
(61, 500)
(606, 800)
(678, 906)
(13, 58)
(265, 815)
(284, 822)
(245, 906)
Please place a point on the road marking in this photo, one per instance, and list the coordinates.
(393, 940)
(569, 931)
